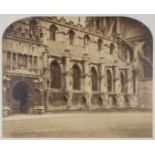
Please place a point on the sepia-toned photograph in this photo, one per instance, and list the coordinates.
(77, 77)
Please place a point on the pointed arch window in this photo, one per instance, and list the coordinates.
(71, 37)
(76, 78)
(94, 79)
(55, 75)
(53, 30)
(86, 40)
(122, 83)
(109, 81)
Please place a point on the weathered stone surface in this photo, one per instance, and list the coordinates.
(42, 54)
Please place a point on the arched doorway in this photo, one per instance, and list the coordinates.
(20, 94)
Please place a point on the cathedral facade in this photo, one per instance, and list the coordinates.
(50, 64)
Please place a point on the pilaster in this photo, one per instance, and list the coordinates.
(16, 63)
(129, 81)
(103, 88)
(87, 82)
(68, 86)
(117, 82)
(6, 107)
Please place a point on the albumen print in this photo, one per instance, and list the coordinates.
(77, 77)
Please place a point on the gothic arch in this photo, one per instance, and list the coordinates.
(79, 65)
(26, 84)
(71, 34)
(94, 79)
(20, 93)
(109, 81)
(76, 77)
(122, 77)
(55, 71)
(86, 40)
(53, 29)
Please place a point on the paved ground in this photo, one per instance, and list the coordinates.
(80, 125)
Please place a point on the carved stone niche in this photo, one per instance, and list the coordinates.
(132, 100)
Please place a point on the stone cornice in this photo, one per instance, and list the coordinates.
(23, 40)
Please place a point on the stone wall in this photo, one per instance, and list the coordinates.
(29, 51)
(145, 90)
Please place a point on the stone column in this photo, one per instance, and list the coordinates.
(94, 23)
(132, 98)
(100, 23)
(104, 23)
(103, 92)
(68, 86)
(45, 35)
(16, 65)
(129, 81)
(45, 59)
(117, 83)
(28, 65)
(109, 33)
(136, 82)
(91, 25)
(44, 69)
(37, 65)
(32, 62)
(87, 82)
(6, 107)
(39, 108)
(4, 62)
(118, 26)
(11, 59)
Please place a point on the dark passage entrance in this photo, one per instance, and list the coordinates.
(20, 94)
